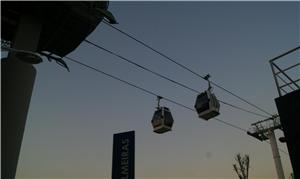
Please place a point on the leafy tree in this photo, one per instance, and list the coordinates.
(242, 166)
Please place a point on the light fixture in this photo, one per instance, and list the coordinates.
(24, 55)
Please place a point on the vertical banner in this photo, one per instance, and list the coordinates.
(123, 156)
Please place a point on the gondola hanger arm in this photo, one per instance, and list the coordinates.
(158, 101)
(207, 79)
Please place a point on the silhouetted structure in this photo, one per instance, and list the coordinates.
(288, 105)
(65, 24)
(289, 110)
(28, 28)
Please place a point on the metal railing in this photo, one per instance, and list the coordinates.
(281, 77)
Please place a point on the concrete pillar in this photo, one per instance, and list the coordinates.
(17, 85)
(276, 156)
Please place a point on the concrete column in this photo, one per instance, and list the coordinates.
(17, 85)
(276, 156)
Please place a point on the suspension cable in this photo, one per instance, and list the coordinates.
(184, 67)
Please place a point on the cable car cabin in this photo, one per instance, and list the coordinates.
(207, 105)
(162, 120)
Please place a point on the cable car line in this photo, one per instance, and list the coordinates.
(153, 94)
(111, 76)
(126, 82)
(167, 78)
(229, 124)
(140, 66)
(140, 88)
(242, 109)
(185, 67)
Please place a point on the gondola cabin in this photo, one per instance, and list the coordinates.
(162, 120)
(207, 105)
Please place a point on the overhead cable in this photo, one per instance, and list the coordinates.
(185, 67)
(152, 93)
(167, 78)
(144, 90)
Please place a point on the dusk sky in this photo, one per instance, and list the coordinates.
(73, 115)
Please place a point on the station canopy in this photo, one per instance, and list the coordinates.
(65, 24)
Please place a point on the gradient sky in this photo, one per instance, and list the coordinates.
(73, 115)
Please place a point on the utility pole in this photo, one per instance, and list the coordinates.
(264, 130)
